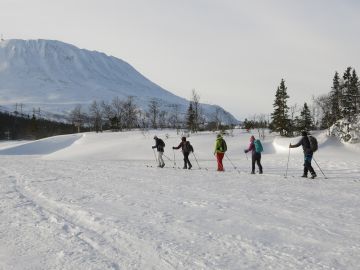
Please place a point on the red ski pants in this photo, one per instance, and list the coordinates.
(219, 158)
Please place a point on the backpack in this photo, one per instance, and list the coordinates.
(188, 147)
(258, 146)
(313, 143)
(161, 143)
(223, 145)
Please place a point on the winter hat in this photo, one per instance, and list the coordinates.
(252, 138)
(155, 137)
(183, 139)
(304, 133)
(219, 136)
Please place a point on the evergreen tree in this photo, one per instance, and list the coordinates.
(280, 118)
(354, 91)
(346, 99)
(305, 120)
(335, 98)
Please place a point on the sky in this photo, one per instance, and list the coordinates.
(234, 53)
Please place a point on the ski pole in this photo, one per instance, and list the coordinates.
(287, 165)
(174, 159)
(246, 156)
(167, 157)
(320, 168)
(155, 155)
(196, 161)
(232, 163)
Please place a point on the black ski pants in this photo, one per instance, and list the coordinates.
(186, 160)
(256, 158)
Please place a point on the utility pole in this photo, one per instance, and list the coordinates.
(2, 37)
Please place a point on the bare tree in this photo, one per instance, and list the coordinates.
(77, 117)
(197, 109)
(107, 112)
(162, 119)
(96, 116)
(153, 110)
(174, 118)
(130, 113)
(261, 119)
(118, 118)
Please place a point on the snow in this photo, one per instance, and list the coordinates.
(89, 201)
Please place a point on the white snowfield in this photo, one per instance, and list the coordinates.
(92, 201)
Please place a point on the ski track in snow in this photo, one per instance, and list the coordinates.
(120, 214)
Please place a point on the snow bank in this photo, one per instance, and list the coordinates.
(42, 147)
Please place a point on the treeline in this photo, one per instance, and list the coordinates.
(123, 114)
(19, 126)
(342, 102)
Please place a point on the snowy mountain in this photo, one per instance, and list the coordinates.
(56, 76)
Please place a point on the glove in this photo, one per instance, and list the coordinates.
(245, 151)
(290, 146)
(173, 147)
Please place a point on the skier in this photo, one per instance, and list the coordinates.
(186, 148)
(308, 154)
(256, 148)
(159, 145)
(220, 149)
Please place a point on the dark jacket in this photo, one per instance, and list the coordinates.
(159, 145)
(305, 143)
(185, 146)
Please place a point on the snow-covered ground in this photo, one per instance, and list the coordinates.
(92, 201)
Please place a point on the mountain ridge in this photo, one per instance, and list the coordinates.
(56, 76)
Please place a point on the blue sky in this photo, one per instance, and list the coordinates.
(233, 52)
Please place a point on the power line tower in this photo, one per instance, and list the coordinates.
(2, 38)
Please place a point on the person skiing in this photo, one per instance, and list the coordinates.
(186, 148)
(159, 145)
(308, 154)
(255, 155)
(220, 149)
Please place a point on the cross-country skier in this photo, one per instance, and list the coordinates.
(159, 145)
(186, 149)
(255, 155)
(308, 154)
(220, 149)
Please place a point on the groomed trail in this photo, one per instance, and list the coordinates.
(90, 202)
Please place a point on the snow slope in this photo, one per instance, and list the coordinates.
(56, 76)
(92, 202)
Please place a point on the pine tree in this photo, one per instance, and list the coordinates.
(335, 97)
(280, 118)
(354, 91)
(306, 122)
(346, 99)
